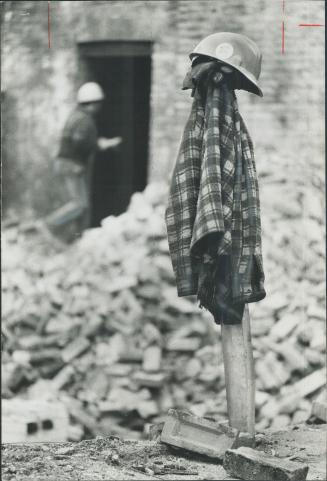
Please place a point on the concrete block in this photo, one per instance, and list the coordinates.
(249, 464)
(29, 420)
(200, 435)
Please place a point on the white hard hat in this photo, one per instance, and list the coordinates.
(90, 92)
(237, 51)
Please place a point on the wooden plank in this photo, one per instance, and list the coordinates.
(239, 374)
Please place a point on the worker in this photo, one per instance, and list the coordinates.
(74, 162)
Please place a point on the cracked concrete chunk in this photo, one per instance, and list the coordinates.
(200, 435)
(247, 463)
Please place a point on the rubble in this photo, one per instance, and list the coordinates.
(100, 323)
(113, 458)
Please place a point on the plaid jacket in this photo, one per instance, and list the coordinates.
(213, 207)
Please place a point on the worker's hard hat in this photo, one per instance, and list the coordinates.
(90, 92)
(236, 50)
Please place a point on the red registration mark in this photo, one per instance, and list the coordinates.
(299, 25)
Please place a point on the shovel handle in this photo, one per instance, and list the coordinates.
(239, 374)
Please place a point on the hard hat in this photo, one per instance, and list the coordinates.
(90, 92)
(236, 50)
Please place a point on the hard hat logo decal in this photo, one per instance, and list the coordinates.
(224, 51)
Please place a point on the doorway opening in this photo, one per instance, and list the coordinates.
(123, 69)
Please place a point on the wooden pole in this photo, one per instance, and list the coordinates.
(239, 374)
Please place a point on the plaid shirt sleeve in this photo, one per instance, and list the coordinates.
(182, 201)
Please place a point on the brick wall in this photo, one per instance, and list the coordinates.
(40, 83)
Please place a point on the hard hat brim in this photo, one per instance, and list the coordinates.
(253, 87)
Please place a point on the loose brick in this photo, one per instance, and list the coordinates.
(293, 357)
(188, 344)
(284, 326)
(148, 408)
(83, 418)
(152, 359)
(300, 416)
(307, 385)
(75, 349)
(280, 421)
(261, 398)
(201, 435)
(271, 372)
(63, 377)
(319, 407)
(249, 464)
(154, 380)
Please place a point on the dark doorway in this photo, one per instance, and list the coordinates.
(123, 69)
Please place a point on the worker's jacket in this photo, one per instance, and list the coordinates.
(79, 138)
(75, 158)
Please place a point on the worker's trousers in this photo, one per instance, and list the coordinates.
(76, 206)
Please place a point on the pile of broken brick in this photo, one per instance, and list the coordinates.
(99, 326)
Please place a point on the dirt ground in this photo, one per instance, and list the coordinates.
(114, 459)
